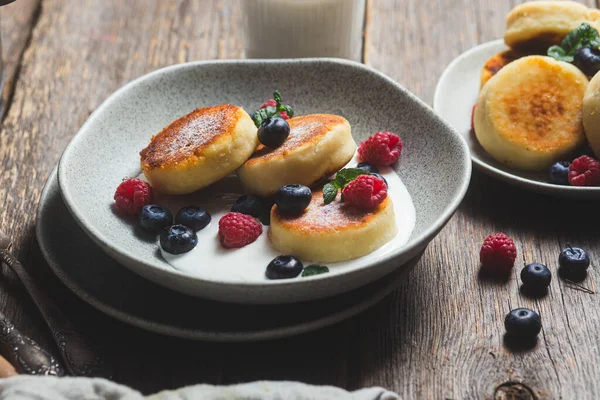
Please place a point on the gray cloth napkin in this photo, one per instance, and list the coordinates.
(52, 388)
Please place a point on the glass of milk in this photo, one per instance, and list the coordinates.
(304, 28)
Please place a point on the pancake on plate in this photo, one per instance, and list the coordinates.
(541, 24)
(529, 115)
(199, 149)
(332, 232)
(317, 147)
(591, 114)
(497, 62)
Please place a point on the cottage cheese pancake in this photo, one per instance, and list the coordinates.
(318, 146)
(199, 149)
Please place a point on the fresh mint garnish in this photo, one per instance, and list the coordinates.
(582, 36)
(262, 114)
(314, 269)
(342, 178)
(330, 191)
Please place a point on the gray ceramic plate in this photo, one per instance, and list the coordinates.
(435, 164)
(457, 91)
(100, 281)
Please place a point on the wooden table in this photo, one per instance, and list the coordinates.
(439, 336)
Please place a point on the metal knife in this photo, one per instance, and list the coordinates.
(80, 357)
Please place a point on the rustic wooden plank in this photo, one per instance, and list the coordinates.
(17, 20)
(439, 336)
(446, 329)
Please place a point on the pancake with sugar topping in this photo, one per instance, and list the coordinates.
(332, 232)
(318, 146)
(199, 149)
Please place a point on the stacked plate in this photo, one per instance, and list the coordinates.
(99, 255)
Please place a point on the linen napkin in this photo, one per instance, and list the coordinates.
(53, 388)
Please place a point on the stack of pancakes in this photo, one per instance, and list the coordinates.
(530, 110)
(210, 143)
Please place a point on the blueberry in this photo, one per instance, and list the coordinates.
(293, 199)
(380, 177)
(367, 167)
(536, 276)
(523, 322)
(249, 205)
(154, 218)
(178, 239)
(574, 259)
(284, 267)
(193, 217)
(273, 132)
(559, 173)
(587, 60)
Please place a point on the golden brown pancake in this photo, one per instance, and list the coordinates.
(529, 115)
(198, 149)
(318, 146)
(497, 62)
(332, 232)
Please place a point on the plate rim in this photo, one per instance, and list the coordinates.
(538, 186)
(191, 333)
(414, 245)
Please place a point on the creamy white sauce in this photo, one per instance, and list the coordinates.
(210, 261)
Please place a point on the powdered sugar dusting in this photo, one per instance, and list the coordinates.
(189, 134)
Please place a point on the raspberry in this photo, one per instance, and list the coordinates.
(273, 103)
(584, 171)
(132, 195)
(269, 103)
(237, 230)
(498, 252)
(382, 148)
(366, 191)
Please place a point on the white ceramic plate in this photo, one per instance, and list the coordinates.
(435, 165)
(103, 283)
(457, 92)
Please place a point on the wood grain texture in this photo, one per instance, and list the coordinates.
(439, 336)
(17, 21)
(455, 348)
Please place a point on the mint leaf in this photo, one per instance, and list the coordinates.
(330, 191)
(314, 269)
(262, 114)
(558, 53)
(582, 36)
(344, 176)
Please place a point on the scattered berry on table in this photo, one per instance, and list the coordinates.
(523, 322)
(536, 276)
(366, 191)
(133, 194)
(380, 177)
(178, 239)
(498, 253)
(249, 205)
(284, 267)
(587, 60)
(367, 167)
(273, 132)
(237, 230)
(584, 171)
(293, 199)
(155, 218)
(574, 259)
(193, 217)
(382, 148)
(559, 173)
